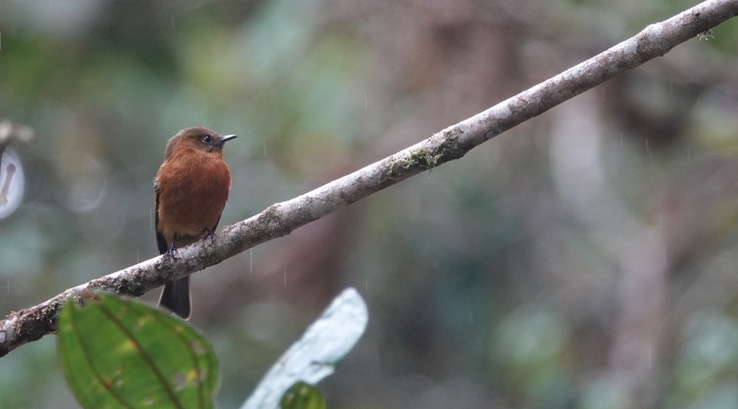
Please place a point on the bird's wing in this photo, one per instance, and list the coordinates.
(161, 242)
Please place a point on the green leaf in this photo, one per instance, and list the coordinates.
(314, 356)
(302, 396)
(119, 353)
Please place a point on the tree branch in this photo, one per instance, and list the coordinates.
(451, 143)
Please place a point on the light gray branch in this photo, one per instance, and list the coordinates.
(451, 143)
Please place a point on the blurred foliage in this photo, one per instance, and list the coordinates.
(118, 353)
(324, 344)
(584, 259)
(303, 396)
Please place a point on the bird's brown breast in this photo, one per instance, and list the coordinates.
(192, 195)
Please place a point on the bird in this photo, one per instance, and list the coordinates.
(191, 188)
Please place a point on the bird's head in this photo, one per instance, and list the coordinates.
(197, 138)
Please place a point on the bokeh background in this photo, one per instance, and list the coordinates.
(586, 259)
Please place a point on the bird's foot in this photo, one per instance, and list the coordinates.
(173, 253)
(209, 234)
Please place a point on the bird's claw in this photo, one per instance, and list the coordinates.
(173, 253)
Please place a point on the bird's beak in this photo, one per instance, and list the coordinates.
(226, 138)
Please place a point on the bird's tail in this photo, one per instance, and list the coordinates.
(176, 297)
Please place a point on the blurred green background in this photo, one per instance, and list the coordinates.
(585, 259)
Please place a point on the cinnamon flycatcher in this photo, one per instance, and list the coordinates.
(191, 189)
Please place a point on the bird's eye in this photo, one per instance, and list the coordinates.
(207, 139)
